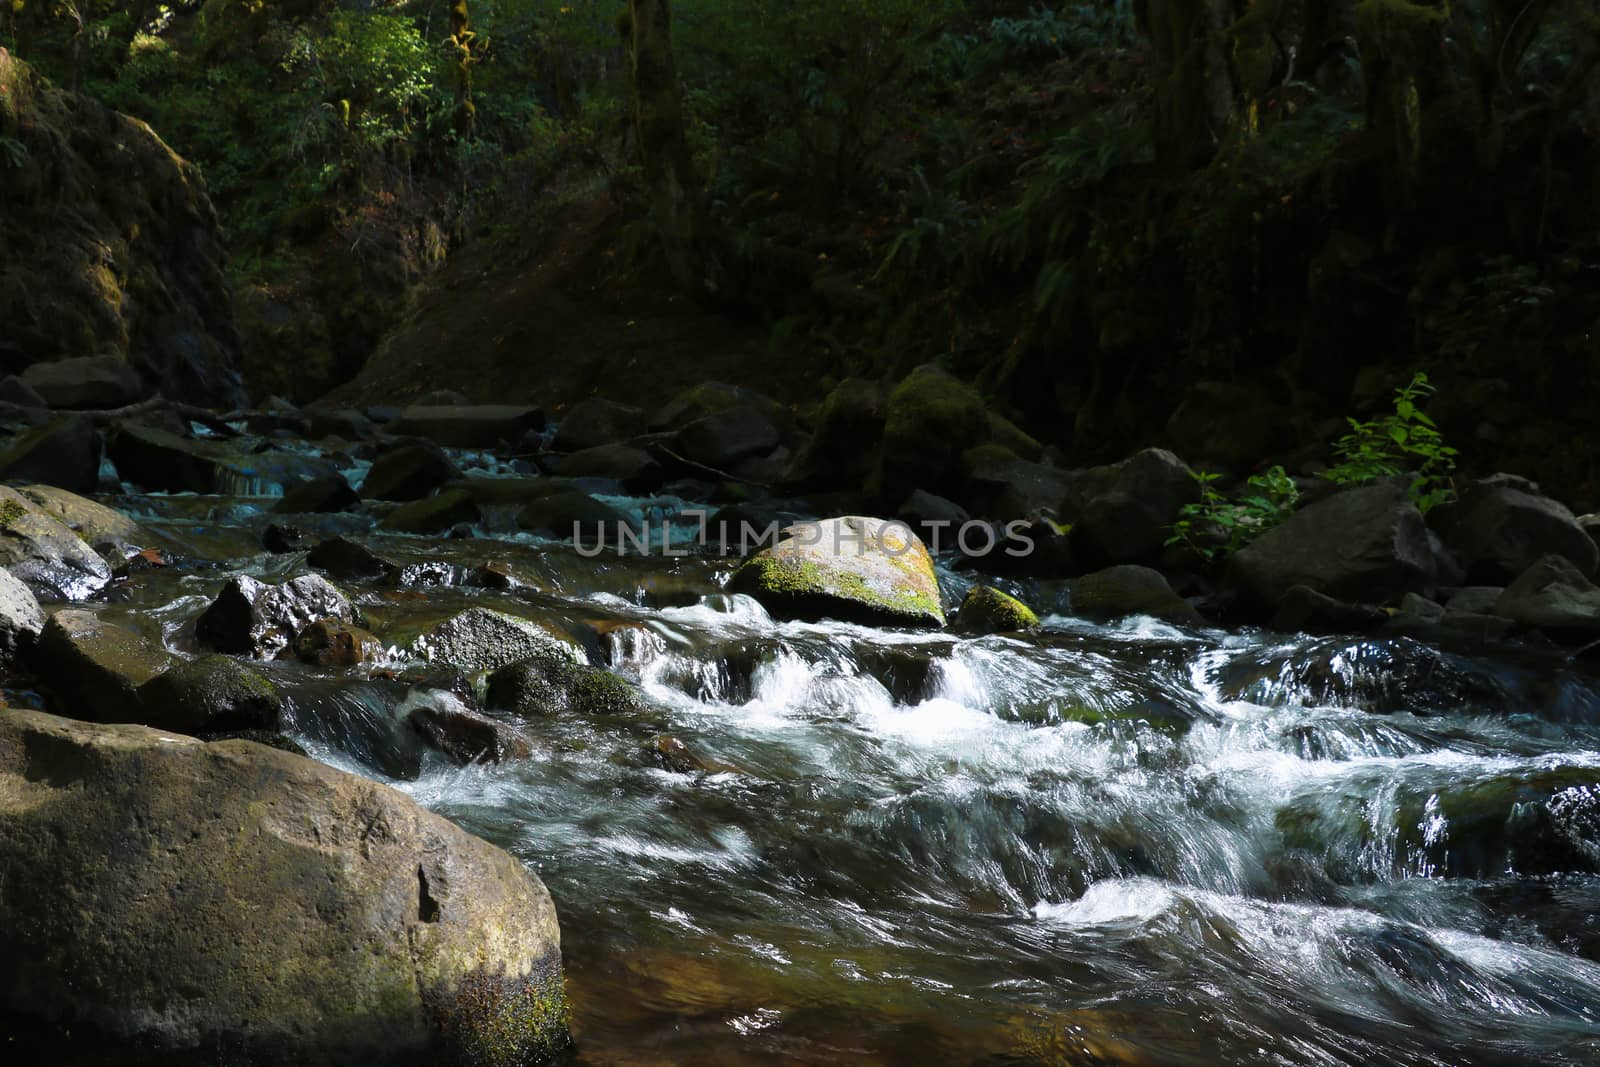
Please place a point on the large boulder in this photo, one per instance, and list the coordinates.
(110, 246)
(637, 470)
(107, 530)
(54, 561)
(1003, 485)
(469, 425)
(159, 459)
(932, 418)
(1552, 594)
(409, 472)
(479, 639)
(570, 513)
(987, 610)
(853, 568)
(434, 514)
(96, 664)
(327, 493)
(1501, 525)
(1123, 512)
(552, 682)
(88, 382)
(21, 618)
(250, 617)
(1367, 544)
(229, 902)
(62, 452)
(595, 422)
(723, 438)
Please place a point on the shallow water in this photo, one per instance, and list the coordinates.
(1122, 844)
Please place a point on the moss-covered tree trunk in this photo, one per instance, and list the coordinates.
(674, 185)
(461, 41)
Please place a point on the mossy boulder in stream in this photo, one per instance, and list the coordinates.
(229, 902)
(95, 664)
(932, 418)
(208, 695)
(853, 568)
(986, 609)
(436, 514)
(551, 682)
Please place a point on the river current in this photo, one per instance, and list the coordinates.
(1120, 843)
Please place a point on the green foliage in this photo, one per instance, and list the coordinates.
(934, 246)
(1404, 441)
(1216, 527)
(13, 153)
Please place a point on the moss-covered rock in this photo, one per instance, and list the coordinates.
(229, 902)
(933, 417)
(568, 512)
(843, 448)
(853, 568)
(95, 664)
(106, 529)
(210, 694)
(986, 609)
(1129, 589)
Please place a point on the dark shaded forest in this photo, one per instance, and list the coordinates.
(1218, 225)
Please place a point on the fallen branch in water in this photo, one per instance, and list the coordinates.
(102, 416)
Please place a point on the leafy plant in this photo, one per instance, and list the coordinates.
(13, 152)
(1406, 439)
(1216, 527)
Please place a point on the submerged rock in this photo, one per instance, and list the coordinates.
(466, 736)
(986, 609)
(853, 568)
(230, 902)
(250, 617)
(479, 639)
(44, 553)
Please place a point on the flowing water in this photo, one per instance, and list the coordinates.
(1120, 844)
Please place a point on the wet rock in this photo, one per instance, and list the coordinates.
(323, 495)
(1552, 595)
(636, 469)
(1380, 675)
(1129, 589)
(210, 694)
(843, 447)
(479, 639)
(722, 439)
(45, 554)
(355, 928)
(464, 735)
(1366, 545)
(435, 514)
(335, 643)
(95, 665)
(346, 559)
(279, 538)
(250, 617)
(671, 754)
(568, 513)
(1040, 547)
(88, 382)
(21, 618)
(1501, 525)
(1304, 610)
(909, 672)
(553, 682)
(595, 422)
(269, 738)
(1473, 600)
(932, 418)
(1123, 512)
(987, 610)
(157, 459)
(62, 452)
(409, 472)
(469, 425)
(107, 530)
(1003, 485)
(853, 568)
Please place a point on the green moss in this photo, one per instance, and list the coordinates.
(603, 693)
(10, 512)
(797, 579)
(490, 1020)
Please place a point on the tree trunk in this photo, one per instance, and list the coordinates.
(1196, 100)
(674, 185)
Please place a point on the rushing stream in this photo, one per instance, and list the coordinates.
(1121, 843)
